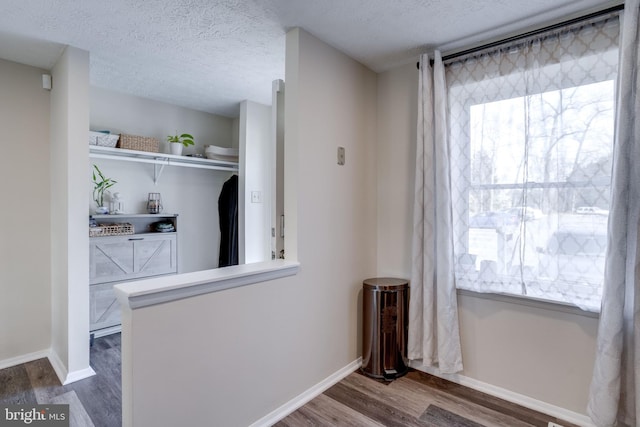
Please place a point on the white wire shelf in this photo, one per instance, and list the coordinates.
(160, 160)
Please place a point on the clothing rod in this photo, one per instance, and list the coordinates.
(530, 33)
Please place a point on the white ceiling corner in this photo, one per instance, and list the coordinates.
(210, 55)
(29, 51)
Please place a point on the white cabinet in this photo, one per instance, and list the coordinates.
(119, 258)
(116, 259)
(104, 310)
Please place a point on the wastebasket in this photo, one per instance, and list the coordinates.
(385, 306)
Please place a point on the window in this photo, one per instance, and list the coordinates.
(531, 138)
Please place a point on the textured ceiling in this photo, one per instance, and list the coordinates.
(211, 54)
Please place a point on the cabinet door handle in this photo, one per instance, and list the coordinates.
(136, 238)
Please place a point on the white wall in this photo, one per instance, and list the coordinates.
(191, 193)
(397, 115)
(69, 237)
(25, 276)
(122, 113)
(546, 355)
(256, 170)
(254, 348)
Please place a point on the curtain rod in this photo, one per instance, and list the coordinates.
(530, 33)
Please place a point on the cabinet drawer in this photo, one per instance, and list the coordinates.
(130, 257)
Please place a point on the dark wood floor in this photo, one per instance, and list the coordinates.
(416, 399)
(95, 401)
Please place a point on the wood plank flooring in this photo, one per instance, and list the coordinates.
(94, 401)
(415, 400)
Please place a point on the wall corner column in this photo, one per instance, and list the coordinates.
(69, 209)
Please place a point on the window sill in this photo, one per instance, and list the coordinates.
(163, 289)
(531, 302)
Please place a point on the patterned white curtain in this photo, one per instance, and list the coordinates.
(615, 389)
(433, 311)
(531, 139)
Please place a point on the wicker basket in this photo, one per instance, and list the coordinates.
(111, 230)
(140, 143)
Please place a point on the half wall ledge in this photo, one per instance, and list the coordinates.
(158, 290)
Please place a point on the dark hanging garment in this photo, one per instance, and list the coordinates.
(228, 213)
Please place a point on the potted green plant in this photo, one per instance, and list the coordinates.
(100, 185)
(176, 142)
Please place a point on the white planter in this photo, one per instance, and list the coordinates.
(176, 148)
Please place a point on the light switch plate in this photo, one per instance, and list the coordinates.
(256, 197)
(341, 156)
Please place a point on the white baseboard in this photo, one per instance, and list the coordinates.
(24, 358)
(64, 376)
(306, 396)
(502, 393)
(79, 375)
(57, 365)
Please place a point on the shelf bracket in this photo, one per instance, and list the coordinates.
(157, 172)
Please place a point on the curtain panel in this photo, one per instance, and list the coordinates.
(434, 336)
(531, 136)
(614, 397)
(528, 183)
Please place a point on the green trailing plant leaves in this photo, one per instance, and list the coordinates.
(99, 187)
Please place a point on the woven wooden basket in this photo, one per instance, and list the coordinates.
(140, 143)
(111, 230)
